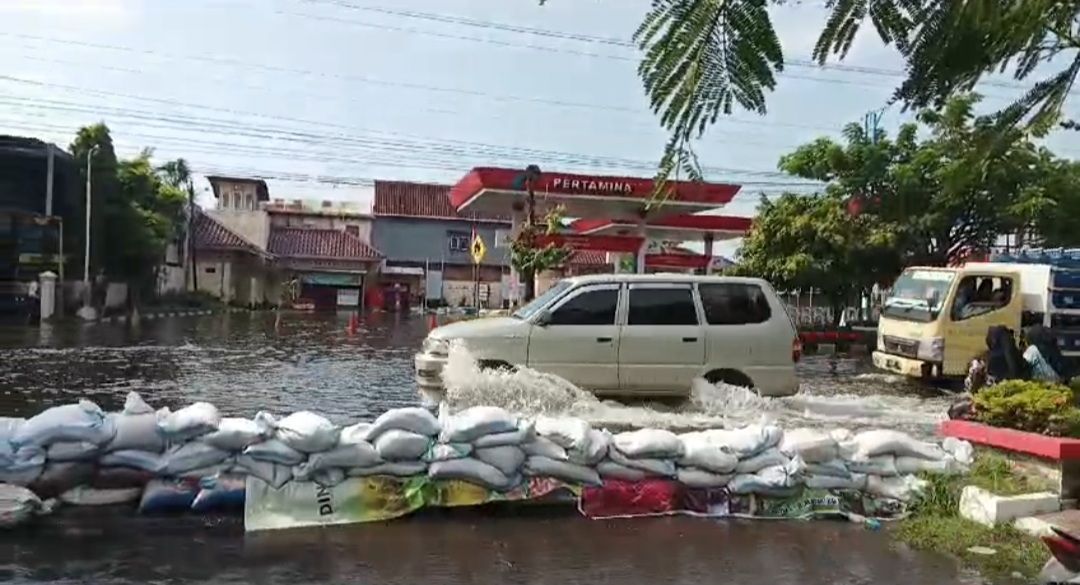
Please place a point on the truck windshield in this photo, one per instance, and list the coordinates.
(918, 295)
(539, 302)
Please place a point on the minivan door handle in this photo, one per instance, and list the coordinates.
(603, 340)
(689, 339)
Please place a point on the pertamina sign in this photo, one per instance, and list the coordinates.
(590, 186)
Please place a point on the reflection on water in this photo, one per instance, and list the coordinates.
(240, 363)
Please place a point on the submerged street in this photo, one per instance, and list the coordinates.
(242, 365)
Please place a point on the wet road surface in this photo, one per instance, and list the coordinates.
(240, 363)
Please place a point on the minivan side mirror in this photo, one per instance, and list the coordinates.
(543, 319)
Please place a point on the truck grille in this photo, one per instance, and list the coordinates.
(901, 346)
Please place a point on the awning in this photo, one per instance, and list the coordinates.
(332, 278)
(404, 270)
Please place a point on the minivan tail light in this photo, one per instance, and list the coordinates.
(796, 349)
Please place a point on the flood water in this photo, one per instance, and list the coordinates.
(242, 364)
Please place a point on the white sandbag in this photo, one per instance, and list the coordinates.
(138, 432)
(656, 467)
(8, 427)
(746, 441)
(472, 471)
(330, 477)
(699, 452)
(391, 468)
(507, 459)
(447, 451)
(190, 456)
(475, 422)
(84, 421)
(24, 468)
(841, 435)
(58, 478)
(188, 422)
(833, 468)
(542, 446)
(883, 465)
(132, 459)
(398, 445)
(648, 444)
(235, 434)
(135, 405)
(913, 465)
(414, 419)
(352, 451)
(274, 474)
(72, 451)
(770, 479)
(854, 481)
(892, 442)
(962, 451)
(307, 432)
(274, 451)
(18, 505)
(539, 466)
(566, 432)
(88, 496)
(700, 478)
(768, 458)
(594, 450)
(608, 469)
(903, 488)
(518, 436)
(812, 445)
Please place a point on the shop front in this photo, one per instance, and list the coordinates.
(330, 291)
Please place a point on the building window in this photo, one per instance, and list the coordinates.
(458, 241)
(353, 230)
(210, 270)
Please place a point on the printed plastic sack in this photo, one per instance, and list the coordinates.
(855, 481)
(902, 488)
(132, 459)
(398, 445)
(135, 432)
(72, 451)
(168, 495)
(474, 422)
(24, 467)
(274, 451)
(648, 444)
(518, 436)
(654, 467)
(767, 458)
(700, 453)
(274, 474)
(444, 451)
(18, 505)
(891, 442)
(413, 419)
(542, 446)
(472, 471)
(352, 450)
(116, 478)
(393, 469)
(190, 456)
(507, 459)
(189, 422)
(812, 445)
(610, 470)
(307, 432)
(537, 466)
(224, 493)
(58, 478)
(84, 421)
(700, 478)
(87, 496)
(235, 434)
(883, 465)
(567, 432)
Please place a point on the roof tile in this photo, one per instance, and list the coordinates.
(320, 243)
(210, 234)
(588, 258)
(424, 200)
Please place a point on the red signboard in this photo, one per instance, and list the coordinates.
(677, 260)
(619, 244)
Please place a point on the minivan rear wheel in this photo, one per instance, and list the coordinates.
(497, 365)
(732, 377)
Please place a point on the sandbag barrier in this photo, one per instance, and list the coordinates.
(304, 470)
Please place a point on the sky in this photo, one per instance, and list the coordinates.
(322, 96)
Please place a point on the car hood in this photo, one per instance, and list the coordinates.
(482, 327)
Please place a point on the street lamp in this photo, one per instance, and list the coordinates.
(87, 311)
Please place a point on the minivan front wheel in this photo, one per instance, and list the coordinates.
(731, 377)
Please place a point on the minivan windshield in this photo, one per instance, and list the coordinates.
(918, 295)
(541, 301)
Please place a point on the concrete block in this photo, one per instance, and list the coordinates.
(981, 506)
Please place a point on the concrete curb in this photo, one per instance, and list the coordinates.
(168, 314)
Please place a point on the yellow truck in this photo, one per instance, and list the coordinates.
(934, 321)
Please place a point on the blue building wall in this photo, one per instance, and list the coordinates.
(414, 240)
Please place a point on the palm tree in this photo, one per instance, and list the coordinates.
(705, 58)
(177, 174)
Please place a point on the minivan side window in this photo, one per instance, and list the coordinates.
(592, 307)
(734, 303)
(979, 295)
(662, 306)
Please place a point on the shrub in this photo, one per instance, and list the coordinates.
(1036, 407)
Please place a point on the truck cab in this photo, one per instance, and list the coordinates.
(935, 320)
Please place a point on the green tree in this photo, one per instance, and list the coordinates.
(944, 196)
(812, 242)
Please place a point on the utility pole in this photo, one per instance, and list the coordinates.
(87, 309)
(194, 271)
(532, 174)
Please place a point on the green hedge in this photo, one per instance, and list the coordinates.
(1036, 407)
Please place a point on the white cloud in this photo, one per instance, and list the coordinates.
(110, 13)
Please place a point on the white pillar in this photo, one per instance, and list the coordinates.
(640, 263)
(47, 294)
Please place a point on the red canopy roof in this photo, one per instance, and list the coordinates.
(677, 227)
